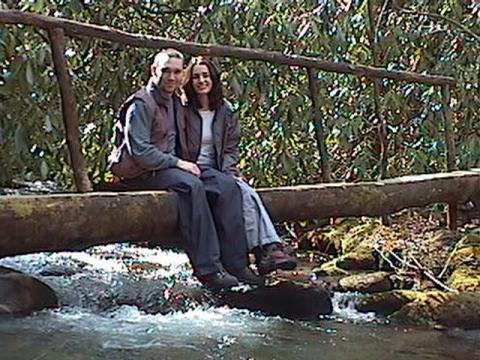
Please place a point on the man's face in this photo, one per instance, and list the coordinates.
(170, 76)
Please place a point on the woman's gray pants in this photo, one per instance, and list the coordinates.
(259, 228)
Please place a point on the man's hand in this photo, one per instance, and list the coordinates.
(188, 166)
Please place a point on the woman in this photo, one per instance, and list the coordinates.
(213, 134)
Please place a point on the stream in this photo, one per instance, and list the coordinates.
(89, 326)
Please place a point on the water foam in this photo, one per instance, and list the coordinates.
(344, 308)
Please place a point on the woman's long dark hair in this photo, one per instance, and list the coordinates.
(215, 97)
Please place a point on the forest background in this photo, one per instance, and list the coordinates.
(278, 144)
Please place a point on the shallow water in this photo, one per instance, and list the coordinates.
(79, 330)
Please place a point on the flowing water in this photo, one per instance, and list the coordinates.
(87, 327)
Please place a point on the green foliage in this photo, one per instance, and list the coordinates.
(278, 146)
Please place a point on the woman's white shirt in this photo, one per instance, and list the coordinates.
(207, 149)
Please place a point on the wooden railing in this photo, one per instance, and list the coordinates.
(59, 27)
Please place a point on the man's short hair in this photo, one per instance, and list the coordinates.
(171, 53)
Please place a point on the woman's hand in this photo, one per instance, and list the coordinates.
(188, 166)
(240, 178)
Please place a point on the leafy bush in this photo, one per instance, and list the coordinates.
(278, 146)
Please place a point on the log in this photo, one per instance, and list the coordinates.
(373, 198)
(77, 221)
(78, 29)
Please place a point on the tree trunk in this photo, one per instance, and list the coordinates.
(76, 221)
(319, 128)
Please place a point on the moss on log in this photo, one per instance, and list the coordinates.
(77, 221)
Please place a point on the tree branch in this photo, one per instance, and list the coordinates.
(171, 10)
(441, 17)
(381, 126)
(379, 20)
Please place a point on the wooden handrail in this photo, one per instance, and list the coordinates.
(78, 29)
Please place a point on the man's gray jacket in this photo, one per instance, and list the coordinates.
(148, 135)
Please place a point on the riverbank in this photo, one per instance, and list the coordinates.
(412, 270)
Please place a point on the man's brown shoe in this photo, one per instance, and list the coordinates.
(219, 281)
(247, 276)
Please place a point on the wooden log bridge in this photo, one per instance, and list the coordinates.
(77, 221)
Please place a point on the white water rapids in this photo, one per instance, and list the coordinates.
(79, 330)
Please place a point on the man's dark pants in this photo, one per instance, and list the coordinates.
(210, 216)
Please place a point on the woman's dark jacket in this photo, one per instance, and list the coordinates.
(226, 136)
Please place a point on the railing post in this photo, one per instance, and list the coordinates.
(318, 125)
(381, 123)
(451, 152)
(69, 110)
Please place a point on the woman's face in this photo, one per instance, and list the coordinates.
(201, 80)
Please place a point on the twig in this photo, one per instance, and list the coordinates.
(380, 252)
(426, 272)
(447, 264)
(417, 266)
(379, 19)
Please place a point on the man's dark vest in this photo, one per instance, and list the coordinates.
(121, 162)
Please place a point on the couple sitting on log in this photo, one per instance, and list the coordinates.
(193, 150)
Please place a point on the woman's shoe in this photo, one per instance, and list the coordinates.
(271, 257)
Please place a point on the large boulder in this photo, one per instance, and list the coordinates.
(367, 282)
(385, 303)
(287, 299)
(462, 311)
(360, 259)
(432, 307)
(459, 310)
(465, 279)
(21, 294)
(465, 262)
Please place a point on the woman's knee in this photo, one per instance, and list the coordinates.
(229, 190)
(193, 183)
(228, 183)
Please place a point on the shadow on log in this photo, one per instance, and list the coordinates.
(77, 221)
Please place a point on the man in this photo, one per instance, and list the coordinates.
(150, 134)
